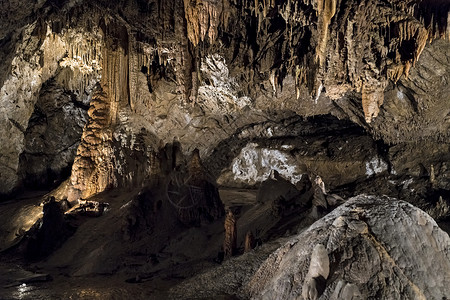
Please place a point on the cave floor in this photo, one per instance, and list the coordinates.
(175, 262)
(96, 263)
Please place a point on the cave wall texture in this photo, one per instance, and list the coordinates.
(95, 89)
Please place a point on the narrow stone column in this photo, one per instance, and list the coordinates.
(249, 242)
(229, 244)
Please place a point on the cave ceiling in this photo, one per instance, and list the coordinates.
(93, 89)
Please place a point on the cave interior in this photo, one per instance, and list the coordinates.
(225, 149)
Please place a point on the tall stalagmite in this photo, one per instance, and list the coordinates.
(94, 169)
(230, 241)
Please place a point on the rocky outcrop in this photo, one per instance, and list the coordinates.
(294, 147)
(52, 137)
(369, 247)
(68, 57)
(355, 250)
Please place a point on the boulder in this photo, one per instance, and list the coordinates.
(369, 247)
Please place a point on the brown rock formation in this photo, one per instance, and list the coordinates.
(230, 241)
(203, 18)
(249, 243)
(325, 11)
(92, 171)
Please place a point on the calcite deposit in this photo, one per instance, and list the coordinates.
(358, 245)
(194, 70)
(154, 116)
(229, 243)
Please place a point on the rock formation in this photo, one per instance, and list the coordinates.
(350, 248)
(230, 241)
(48, 233)
(368, 247)
(155, 106)
(249, 242)
(318, 271)
(170, 66)
(41, 55)
(193, 195)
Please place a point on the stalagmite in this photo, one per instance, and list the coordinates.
(372, 98)
(230, 241)
(94, 168)
(196, 170)
(432, 175)
(249, 242)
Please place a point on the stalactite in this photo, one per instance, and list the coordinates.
(83, 60)
(300, 78)
(325, 11)
(409, 31)
(435, 16)
(273, 81)
(203, 18)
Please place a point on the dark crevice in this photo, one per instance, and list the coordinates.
(17, 125)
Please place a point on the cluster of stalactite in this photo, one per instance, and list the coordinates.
(203, 18)
(395, 34)
(309, 36)
(362, 44)
(156, 62)
(81, 66)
